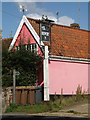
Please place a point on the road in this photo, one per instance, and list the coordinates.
(29, 117)
(82, 113)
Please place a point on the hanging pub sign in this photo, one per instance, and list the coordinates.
(44, 32)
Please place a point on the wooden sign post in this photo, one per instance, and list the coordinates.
(14, 85)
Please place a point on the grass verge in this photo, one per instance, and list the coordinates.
(74, 112)
(52, 107)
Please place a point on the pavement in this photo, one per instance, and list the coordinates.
(78, 110)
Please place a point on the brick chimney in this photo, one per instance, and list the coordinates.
(75, 25)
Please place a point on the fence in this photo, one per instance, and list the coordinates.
(23, 95)
(31, 95)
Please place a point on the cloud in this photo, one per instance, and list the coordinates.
(35, 12)
(34, 9)
(35, 16)
(65, 20)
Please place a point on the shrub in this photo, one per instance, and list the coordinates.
(78, 93)
(12, 107)
(55, 97)
(25, 62)
(61, 96)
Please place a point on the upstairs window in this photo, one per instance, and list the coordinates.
(30, 47)
(21, 47)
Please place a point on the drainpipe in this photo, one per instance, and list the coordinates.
(46, 76)
(41, 84)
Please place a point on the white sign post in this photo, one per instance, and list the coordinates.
(46, 76)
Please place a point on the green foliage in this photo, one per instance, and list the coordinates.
(55, 97)
(55, 106)
(7, 80)
(52, 107)
(78, 93)
(38, 108)
(72, 111)
(11, 108)
(25, 62)
(61, 96)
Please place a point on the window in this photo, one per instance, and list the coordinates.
(30, 47)
(17, 48)
(20, 47)
(34, 48)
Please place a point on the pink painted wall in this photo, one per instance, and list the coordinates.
(67, 75)
(26, 36)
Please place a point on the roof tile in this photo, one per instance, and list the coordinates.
(66, 41)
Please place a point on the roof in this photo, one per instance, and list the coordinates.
(65, 40)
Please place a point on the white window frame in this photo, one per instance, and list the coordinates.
(30, 47)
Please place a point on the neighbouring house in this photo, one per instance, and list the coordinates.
(66, 53)
(6, 42)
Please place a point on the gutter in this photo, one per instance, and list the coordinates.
(69, 59)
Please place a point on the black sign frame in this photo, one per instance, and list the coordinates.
(45, 32)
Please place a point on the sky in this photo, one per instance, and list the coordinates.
(68, 13)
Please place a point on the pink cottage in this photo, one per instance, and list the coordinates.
(66, 60)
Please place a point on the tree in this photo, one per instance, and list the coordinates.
(25, 62)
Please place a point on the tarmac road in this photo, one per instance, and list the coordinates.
(29, 117)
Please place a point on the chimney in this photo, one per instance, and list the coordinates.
(75, 25)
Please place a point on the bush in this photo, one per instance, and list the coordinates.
(61, 96)
(25, 62)
(78, 93)
(12, 107)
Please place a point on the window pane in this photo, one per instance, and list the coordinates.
(33, 46)
(28, 47)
